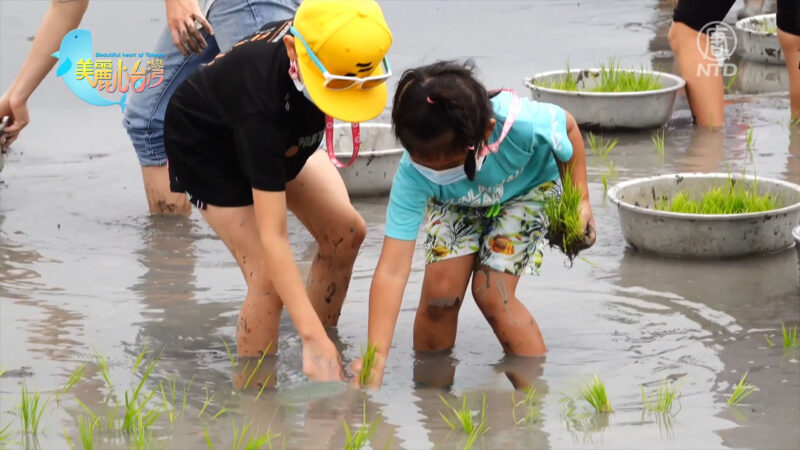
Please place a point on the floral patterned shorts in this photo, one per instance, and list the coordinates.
(509, 241)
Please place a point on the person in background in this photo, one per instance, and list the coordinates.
(242, 134)
(704, 88)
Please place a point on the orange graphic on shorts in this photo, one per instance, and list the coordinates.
(501, 244)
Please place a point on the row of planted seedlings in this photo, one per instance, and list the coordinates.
(131, 417)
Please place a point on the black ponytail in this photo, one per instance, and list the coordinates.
(441, 109)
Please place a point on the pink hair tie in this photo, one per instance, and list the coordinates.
(430, 100)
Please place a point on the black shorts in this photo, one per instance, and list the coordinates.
(697, 13)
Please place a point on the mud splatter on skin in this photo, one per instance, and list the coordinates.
(446, 302)
(243, 325)
(330, 292)
(501, 288)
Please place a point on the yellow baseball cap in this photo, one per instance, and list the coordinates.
(350, 38)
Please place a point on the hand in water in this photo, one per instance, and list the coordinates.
(321, 361)
(375, 375)
(17, 112)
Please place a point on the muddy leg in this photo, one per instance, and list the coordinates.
(319, 199)
(514, 326)
(159, 197)
(443, 290)
(261, 312)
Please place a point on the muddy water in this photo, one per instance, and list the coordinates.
(84, 270)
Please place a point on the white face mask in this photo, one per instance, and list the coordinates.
(299, 85)
(447, 176)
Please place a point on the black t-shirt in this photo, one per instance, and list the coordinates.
(239, 123)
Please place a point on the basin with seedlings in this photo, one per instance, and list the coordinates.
(758, 39)
(707, 215)
(610, 96)
(373, 171)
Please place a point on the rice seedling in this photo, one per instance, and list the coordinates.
(731, 82)
(750, 140)
(766, 27)
(568, 82)
(139, 358)
(258, 365)
(5, 436)
(730, 197)
(219, 413)
(611, 77)
(529, 403)
(599, 146)
(789, 337)
(66, 437)
(207, 438)
(661, 401)
(141, 436)
(134, 408)
(595, 394)
(263, 385)
(463, 417)
(104, 371)
(86, 428)
(658, 141)
(607, 177)
(3, 370)
(111, 417)
(564, 228)
(368, 362)
(356, 440)
(73, 379)
(769, 341)
(86, 408)
(206, 402)
(741, 391)
(30, 410)
(230, 353)
(244, 439)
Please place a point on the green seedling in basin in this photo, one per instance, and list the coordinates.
(766, 26)
(661, 401)
(563, 223)
(611, 77)
(741, 391)
(355, 440)
(789, 337)
(730, 197)
(31, 410)
(367, 364)
(86, 428)
(595, 394)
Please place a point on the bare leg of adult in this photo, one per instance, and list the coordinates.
(159, 197)
(512, 323)
(260, 315)
(790, 44)
(443, 289)
(703, 76)
(318, 197)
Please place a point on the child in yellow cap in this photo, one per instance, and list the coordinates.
(241, 137)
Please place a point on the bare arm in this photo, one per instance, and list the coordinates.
(386, 296)
(61, 17)
(320, 358)
(577, 168)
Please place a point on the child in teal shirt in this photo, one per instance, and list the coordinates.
(477, 168)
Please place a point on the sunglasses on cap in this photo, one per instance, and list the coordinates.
(343, 82)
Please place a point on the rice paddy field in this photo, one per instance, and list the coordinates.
(115, 326)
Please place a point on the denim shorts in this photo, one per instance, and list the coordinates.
(509, 240)
(232, 20)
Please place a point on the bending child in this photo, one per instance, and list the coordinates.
(478, 166)
(241, 136)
